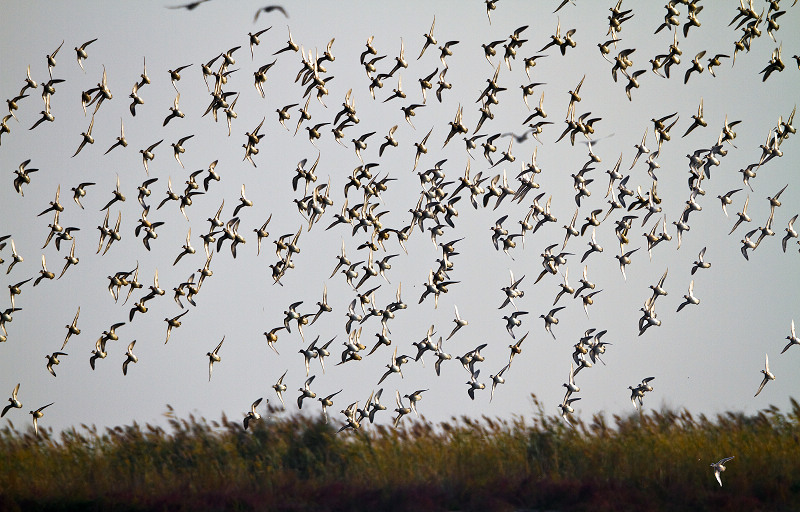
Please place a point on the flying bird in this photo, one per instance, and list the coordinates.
(252, 415)
(268, 9)
(38, 413)
(14, 402)
(719, 467)
(768, 376)
(213, 357)
(189, 6)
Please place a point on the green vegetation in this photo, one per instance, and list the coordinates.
(653, 461)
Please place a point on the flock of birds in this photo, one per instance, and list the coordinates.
(434, 211)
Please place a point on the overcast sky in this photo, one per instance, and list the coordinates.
(706, 357)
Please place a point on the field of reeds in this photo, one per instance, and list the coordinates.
(652, 461)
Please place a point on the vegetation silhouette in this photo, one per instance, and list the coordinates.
(658, 460)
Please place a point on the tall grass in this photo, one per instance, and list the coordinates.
(658, 460)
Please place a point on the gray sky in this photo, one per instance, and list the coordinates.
(706, 358)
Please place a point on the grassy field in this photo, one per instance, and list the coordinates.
(654, 461)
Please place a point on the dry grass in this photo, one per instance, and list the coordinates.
(657, 461)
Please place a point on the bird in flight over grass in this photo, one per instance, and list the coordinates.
(719, 467)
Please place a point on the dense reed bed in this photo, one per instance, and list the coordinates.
(654, 461)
